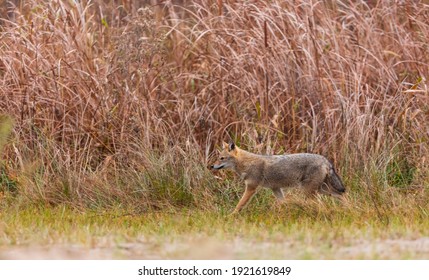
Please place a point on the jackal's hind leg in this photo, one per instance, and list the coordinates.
(247, 195)
(310, 191)
(325, 189)
(278, 193)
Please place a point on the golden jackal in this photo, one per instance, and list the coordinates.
(314, 173)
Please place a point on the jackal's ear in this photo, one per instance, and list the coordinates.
(225, 145)
(231, 146)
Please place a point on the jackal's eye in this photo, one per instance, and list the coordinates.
(222, 158)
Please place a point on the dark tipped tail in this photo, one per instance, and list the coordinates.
(335, 182)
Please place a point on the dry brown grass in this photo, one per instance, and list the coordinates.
(125, 101)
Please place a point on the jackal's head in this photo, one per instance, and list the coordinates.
(227, 157)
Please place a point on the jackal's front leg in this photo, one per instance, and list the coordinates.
(248, 194)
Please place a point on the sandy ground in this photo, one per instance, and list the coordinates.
(215, 249)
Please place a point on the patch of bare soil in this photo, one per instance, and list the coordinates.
(388, 249)
(234, 249)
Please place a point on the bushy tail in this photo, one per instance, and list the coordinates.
(335, 182)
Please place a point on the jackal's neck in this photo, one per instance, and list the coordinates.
(246, 161)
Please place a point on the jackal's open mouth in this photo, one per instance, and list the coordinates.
(217, 167)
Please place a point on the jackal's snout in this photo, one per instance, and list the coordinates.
(218, 166)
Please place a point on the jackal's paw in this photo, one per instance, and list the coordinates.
(280, 201)
(233, 213)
